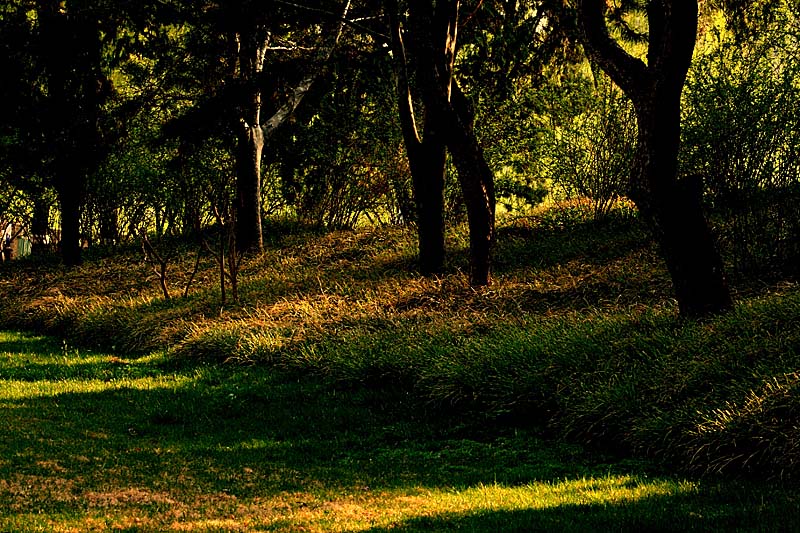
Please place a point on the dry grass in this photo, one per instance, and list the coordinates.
(578, 332)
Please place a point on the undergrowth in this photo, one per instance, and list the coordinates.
(578, 333)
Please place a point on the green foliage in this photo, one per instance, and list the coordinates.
(740, 136)
(341, 163)
(588, 148)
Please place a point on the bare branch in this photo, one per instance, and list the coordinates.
(353, 23)
(299, 92)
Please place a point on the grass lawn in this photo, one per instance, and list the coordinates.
(96, 441)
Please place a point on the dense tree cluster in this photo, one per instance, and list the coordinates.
(123, 119)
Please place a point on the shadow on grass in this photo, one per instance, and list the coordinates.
(545, 246)
(208, 429)
(250, 433)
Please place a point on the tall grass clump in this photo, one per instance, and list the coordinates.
(714, 396)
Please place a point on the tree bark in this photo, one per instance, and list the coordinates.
(71, 200)
(477, 186)
(40, 225)
(426, 160)
(671, 206)
(71, 53)
(252, 44)
(248, 190)
(435, 32)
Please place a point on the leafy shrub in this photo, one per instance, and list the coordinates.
(589, 146)
(741, 122)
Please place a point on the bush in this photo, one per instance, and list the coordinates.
(742, 115)
(588, 150)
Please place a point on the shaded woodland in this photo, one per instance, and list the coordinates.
(132, 122)
(575, 215)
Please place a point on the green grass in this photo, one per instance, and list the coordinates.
(99, 441)
(578, 336)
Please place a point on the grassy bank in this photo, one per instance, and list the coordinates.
(97, 441)
(578, 335)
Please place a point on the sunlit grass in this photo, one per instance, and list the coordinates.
(128, 444)
(357, 512)
(16, 390)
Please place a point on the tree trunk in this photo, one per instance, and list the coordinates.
(674, 210)
(434, 29)
(77, 88)
(252, 45)
(251, 49)
(477, 186)
(249, 235)
(40, 225)
(426, 160)
(427, 164)
(70, 198)
(672, 207)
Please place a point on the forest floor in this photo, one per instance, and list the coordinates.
(97, 441)
(344, 392)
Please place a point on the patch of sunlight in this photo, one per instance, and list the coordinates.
(606, 490)
(351, 511)
(77, 358)
(364, 512)
(20, 390)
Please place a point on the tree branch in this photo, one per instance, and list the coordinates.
(408, 123)
(353, 23)
(286, 110)
(627, 71)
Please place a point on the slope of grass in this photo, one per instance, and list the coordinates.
(97, 441)
(578, 335)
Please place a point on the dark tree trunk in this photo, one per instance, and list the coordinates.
(477, 186)
(426, 160)
(434, 30)
(674, 210)
(252, 45)
(249, 236)
(40, 225)
(77, 88)
(71, 200)
(671, 206)
(427, 164)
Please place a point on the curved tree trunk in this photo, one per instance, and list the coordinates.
(434, 29)
(477, 185)
(671, 206)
